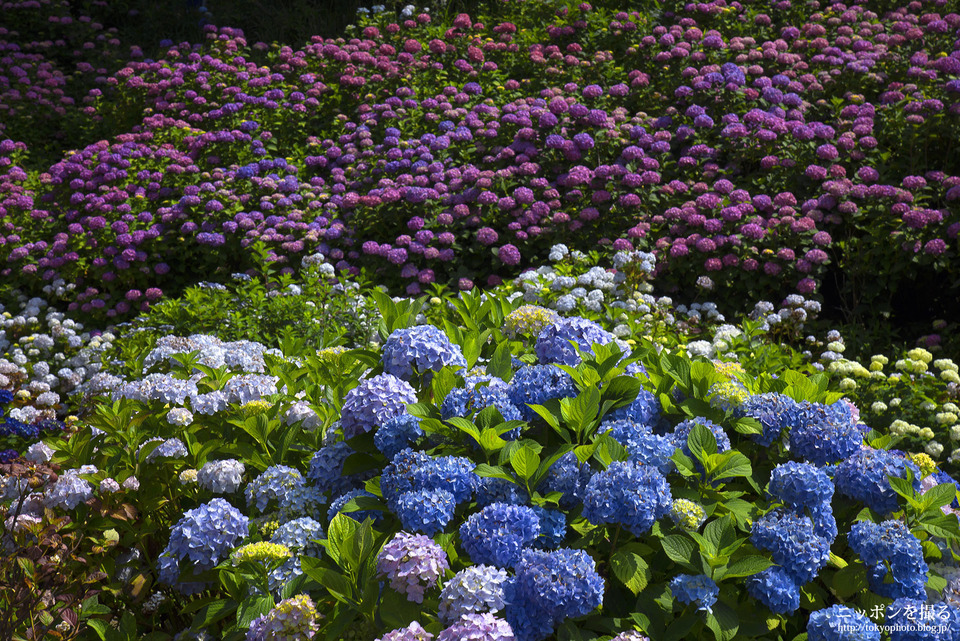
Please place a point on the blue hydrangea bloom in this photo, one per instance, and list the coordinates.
(203, 536)
(645, 409)
(302, 500)
(553, 527)
(300, 535)
(427, 511)
(374, 402)
(551, 587)
(568, 477)
(682, 431)
(497, 534)
(643, 445)
(792, 543)
(628, 494)
(554, 342)
(270, 486)
(863, 477)
(361, 515)
(818, 437)
(907, 620)
(326, 468)
(840, 623)
(419, 349)
(800, 485)
(451, 473)
(699, 590)
(398, 477)
(773, 411)
(536, 384)
(398, 433)
(492, 490)
(775, 589)
(463, 402)
(890, 545)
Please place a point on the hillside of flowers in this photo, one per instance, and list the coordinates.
(554, 321)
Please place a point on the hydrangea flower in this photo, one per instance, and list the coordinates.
(360, 515)
(271, 486)
(427, 511)
(773, 411)
(775, 589)
(326, 468)
(529, 320)
(687, 514)
(413, 470)
(419, 349)
(890, 545)
(793, 544)
(551, 587)
(300, 535)
(554, 342)
(475, 589)
(553, 527)
(413, 563)
(170, 448)
(864, 477)
(398, 433)
(69, 491)
(374, 402)
(536, 384)
(294, 618)
(819, 436)
(838, 623)
(497, 534)
(699, 590)
(643, 445)
(628, 494)
(478, 627)
(266, 553)
(203, 536)
(464, 401)
(645, 409)
(221, 477)
(302, 500)
(413, 632)
(569, 477)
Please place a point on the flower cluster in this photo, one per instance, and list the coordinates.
(419, 350)
(889, 547)
(413, 563)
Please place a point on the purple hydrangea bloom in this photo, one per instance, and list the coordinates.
(203, 536)
(399, 433)
(374, 402)
(478, 627)
(554, 342)
(413, 563)
(419, 349)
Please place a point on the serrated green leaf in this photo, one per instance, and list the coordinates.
(630, 567)
(525, 462)
(680, 549)
(747, 566)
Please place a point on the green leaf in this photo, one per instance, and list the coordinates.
(678, 368)
(490, 440)
(495, 472)
(938, 496)
(723, 622)
(747, 566)
(680, 549)
(850, 580)
(944, 526)
(466, 427)
(747, 425)
(500, 364)
(701, 442)
(621, 391)
(628, 566)
(525, 462)
(719, 532)
(733, 464)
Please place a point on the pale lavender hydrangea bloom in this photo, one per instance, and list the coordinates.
(475, 589)
(70, 490)
(478, 627)
(221, 477)
(413, 632)
(413, 563)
